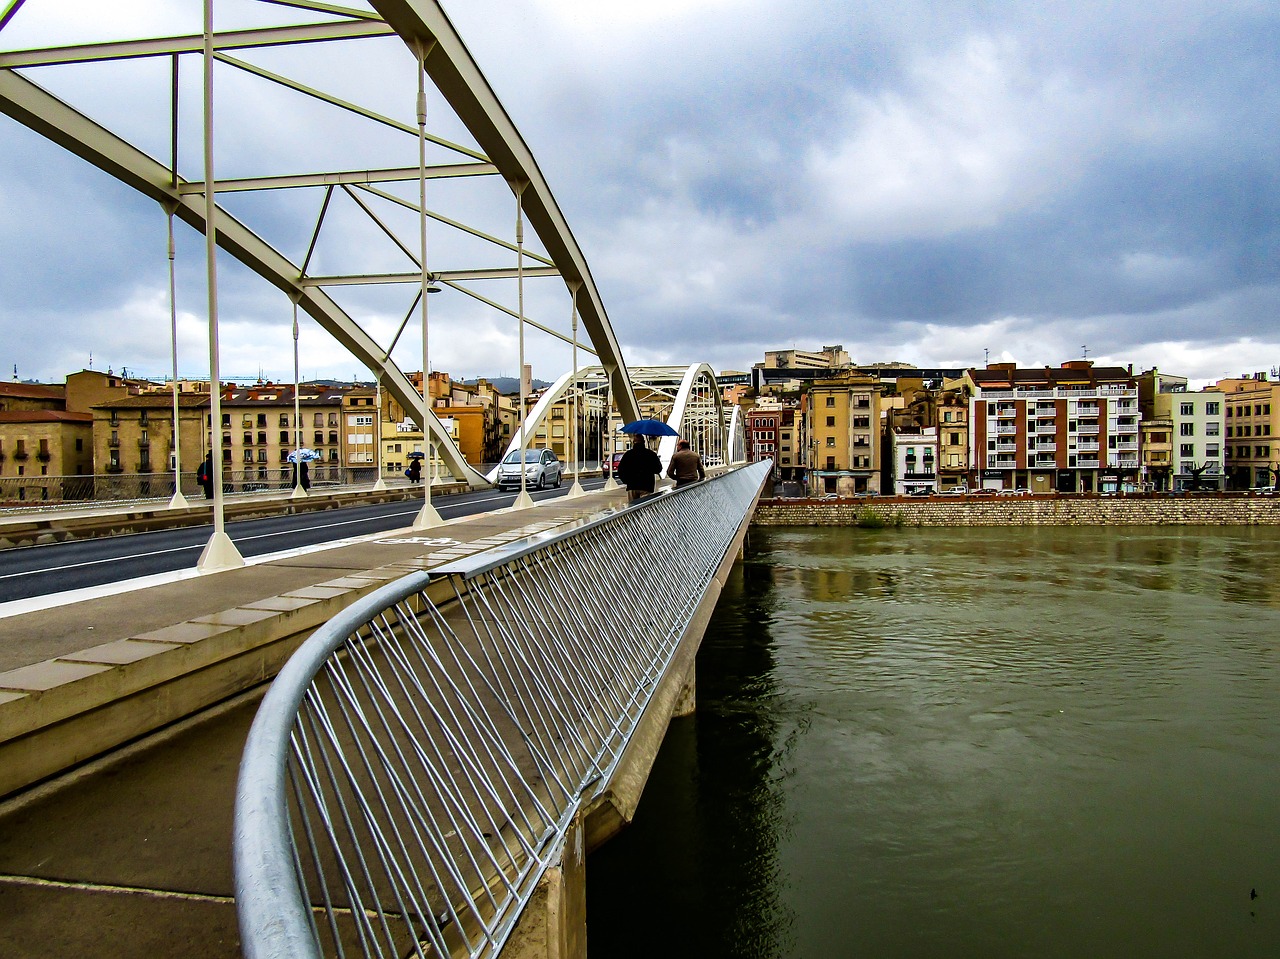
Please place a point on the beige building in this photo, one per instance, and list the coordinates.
(134, 434)
(259, 431)
(1155, 440)
(360, 424)
(1253, 430)
(843, 430)
(828, 358)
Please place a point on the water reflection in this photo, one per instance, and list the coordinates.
(697, 873)
(1050, 742)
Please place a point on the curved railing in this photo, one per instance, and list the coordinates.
(415, 766)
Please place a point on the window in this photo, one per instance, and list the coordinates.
(284, 419)
(1187, 429)
(1187, 449)
(831, 441)
(1188, 409)
(79, 446)
(284, 437)
(831, 401)
(1212, 429)
(318, 420)
(1212, 450)
(1211, 409)
(246, 419)
(831, 421)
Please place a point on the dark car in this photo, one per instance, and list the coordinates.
(610, 466)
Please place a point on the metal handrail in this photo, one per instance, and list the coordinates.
(416, 765)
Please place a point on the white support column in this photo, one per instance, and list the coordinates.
(524, 500)
(379, 484)
(298, 491)
(427, 516)
(178, 501)
(574, 448)
(219, 553)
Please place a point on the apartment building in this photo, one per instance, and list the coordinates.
(842, 425)
(1252, 430)
(1197, 429)
(828, 358)
(259, 429)
(913, 459)
(1072, 428)
(135, 433)
(360, 422)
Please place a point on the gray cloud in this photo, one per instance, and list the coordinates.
(917, 182)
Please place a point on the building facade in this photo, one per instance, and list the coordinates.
(842, 426)
(1072, 428)
(1252, 430)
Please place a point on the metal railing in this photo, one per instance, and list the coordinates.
(30, 491)
(415, 766)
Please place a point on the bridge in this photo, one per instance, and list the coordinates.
(452, 731)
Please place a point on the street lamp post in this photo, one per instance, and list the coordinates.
(427, 516)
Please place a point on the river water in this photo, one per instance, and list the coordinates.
(969, 742)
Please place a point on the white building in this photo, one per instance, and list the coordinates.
(915, 461)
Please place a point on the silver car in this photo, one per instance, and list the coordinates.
(541, 469)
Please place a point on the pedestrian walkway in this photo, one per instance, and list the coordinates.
(130, 855)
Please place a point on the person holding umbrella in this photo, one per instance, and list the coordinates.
(414, 472)
(686, 465)
(639, 469)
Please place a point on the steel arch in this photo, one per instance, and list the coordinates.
(423, 26)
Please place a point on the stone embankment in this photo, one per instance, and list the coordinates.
(1043, 510)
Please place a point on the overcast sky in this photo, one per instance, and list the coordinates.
(918, 181)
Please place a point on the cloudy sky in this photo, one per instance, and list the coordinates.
(918, 181)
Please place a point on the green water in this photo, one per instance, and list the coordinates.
(989, 743)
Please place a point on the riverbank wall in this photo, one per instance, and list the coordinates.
(1022, 511)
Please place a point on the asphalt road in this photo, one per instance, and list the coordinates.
(32, 571)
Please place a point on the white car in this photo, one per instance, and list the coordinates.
(541, 469)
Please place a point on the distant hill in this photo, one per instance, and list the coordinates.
(509, 384)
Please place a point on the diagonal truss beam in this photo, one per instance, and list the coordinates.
(423, 25)
(37, 109)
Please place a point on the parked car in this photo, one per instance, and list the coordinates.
(610, 466)
(955, 491)
(541, 469)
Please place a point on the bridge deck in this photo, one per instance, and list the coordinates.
(130, 855)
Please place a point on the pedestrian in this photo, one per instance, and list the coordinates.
(302, 475)
(414, 472)
(639, 470)
(686, 465)
(204, 475)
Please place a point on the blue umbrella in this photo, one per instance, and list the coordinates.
(649, 428)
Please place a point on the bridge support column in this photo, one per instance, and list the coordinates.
(554, 923)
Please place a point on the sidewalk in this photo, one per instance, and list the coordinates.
(78, 678)
(129, 855)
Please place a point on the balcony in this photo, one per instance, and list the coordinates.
(1006, 447)
(113, 442)
(1088, 446)
(1087, 462)
(1087, 429)
(1046, 448)
(1006, 429)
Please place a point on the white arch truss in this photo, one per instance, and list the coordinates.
(426, 34)
(688, 399)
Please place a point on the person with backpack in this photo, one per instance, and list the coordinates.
(204, 475)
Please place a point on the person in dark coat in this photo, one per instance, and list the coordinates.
(686, 466)
(204, 475)
(639, 469)
(414, 472)
(302, 475)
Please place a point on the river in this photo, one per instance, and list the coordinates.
(968, 742)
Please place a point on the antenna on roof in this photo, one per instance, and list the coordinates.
(986, 356)
(1085, 351)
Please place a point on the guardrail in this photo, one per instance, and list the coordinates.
(415, 766)
(34, 491)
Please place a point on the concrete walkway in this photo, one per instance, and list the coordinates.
(129, 855)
